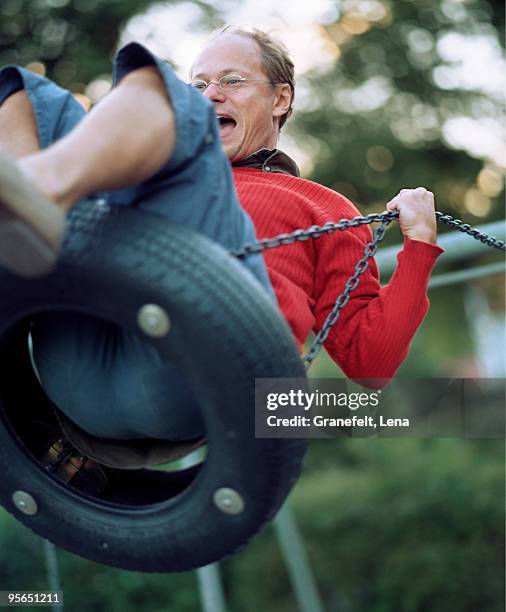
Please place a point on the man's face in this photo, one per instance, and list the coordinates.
(248, 116)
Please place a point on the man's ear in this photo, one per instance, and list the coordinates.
(282, 100)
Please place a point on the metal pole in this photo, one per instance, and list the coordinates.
(489, 334)
(456, 244)
(459, 276)
(211, 590)
(53, 572)
(297, 564)
(212, 596)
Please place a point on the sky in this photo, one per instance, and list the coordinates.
(170, 32)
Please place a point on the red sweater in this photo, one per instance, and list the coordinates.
(372, 335)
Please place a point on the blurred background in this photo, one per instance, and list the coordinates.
(389, 95)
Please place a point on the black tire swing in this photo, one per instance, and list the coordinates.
(118, 264)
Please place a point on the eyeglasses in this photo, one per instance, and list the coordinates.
(227, 83)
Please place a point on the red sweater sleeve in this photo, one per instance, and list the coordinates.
(373, 333)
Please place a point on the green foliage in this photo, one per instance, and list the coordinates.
(87, 585)
(75, 39)
(375, 120)
(408, 525)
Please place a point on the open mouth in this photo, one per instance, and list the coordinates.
(227, 124)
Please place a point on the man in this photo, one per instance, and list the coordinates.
(372, 335)
(171, 164)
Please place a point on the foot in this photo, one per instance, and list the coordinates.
(69, 465)
(31, 225)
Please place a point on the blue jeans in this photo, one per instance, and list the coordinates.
(102, 377)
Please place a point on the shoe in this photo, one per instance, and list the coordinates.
(69, 465)
(31, 226)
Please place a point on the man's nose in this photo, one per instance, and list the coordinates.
(214, 93)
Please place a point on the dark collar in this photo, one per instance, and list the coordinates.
(269, 160)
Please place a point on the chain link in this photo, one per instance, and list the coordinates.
(467, 229)
(315, 231)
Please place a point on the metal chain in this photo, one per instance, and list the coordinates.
(467, 229)
(316, 231)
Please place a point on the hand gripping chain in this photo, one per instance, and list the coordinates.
(316, 231)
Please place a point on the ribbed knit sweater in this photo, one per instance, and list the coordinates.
(373, 333)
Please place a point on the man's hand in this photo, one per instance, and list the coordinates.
(417, 216)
